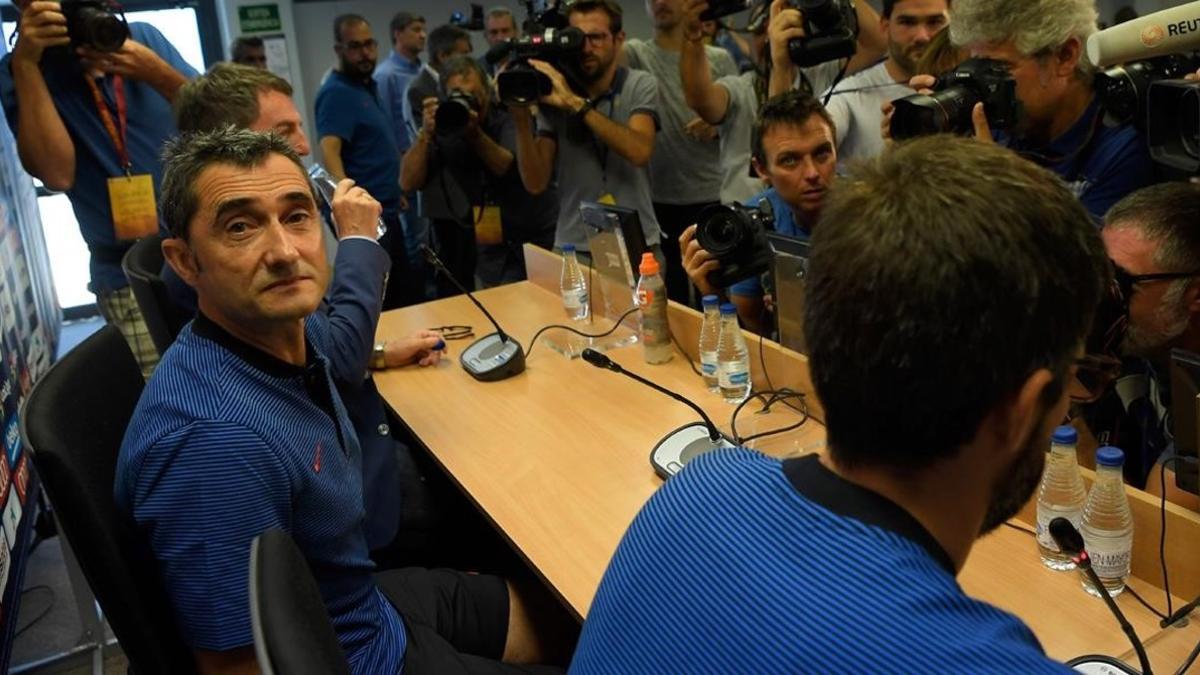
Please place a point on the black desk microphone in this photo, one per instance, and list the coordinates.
(495, 356)
(681, 445)
(1070, 541)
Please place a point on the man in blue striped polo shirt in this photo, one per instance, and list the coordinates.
(242, 430)
(950, 287)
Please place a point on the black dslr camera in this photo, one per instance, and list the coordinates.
(718, 9)
(948, 109)
(736, 236)
(522, 84)
(830, 29)
(454, 113)
(90, 23)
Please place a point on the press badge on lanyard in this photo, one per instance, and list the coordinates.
(131, 196)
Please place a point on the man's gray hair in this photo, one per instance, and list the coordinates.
(1167, 214)
(1034, 26)
(501, 11)
(188, 155)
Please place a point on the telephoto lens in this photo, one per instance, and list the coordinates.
(454, 113)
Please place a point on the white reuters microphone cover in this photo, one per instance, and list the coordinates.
(1170, 31)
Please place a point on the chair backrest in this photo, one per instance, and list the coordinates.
(72, 424)
(143, 267)
(292, 631)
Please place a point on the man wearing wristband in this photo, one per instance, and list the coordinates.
(603, 137)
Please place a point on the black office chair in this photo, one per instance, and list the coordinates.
(292, 631)
(73, 423)
(143, 264)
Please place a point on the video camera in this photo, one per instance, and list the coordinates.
(948, 108)
(1140, 61)
(454, 113)
(475, 22)
(90, 23)
(547, 37)
(736, 236)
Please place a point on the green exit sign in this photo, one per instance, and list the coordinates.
(259, 18)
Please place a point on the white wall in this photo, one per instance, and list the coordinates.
(1143, 7)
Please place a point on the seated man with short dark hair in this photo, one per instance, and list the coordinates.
(942, 333)
(241, 429)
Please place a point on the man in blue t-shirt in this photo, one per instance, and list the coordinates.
(242, 429)
(794, 150)
(358, 141)
(83, 118)
(1063, 126)
(940, 395)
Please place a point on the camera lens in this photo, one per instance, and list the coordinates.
(1189, 122)
(723, 231)
(101, 30)
(452, 115)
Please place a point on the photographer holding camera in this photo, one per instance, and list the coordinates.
(1059, 122)
(89, 101)
(795, 151)
(603, 137)
(466, 148)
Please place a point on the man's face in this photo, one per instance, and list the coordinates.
(1158, 310)
(497, 29)
(666, 14)
(412, 39)
(1042, 82)
(255, 57)
(357, 50)
(800, 163)
(912, 25)
(1015, 486)
(600, 45)
(255, 253)
(277, 113)
(461, 48)
(469, 83)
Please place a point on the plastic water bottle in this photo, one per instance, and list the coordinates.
(1061, 495)
(1108, 524)
(710, 336)
(652, 298)
(733, 359)
(573, 286)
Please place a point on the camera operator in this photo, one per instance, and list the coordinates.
(731, 103)
(1153, 239)
(603, 138)
(856, 103)
(90, 124)
(1041, 43)
(795, 152)
(473, 165)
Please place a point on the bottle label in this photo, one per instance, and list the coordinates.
(1110, 564)
(645, 297)
(1044, 516)
(575, 298)
(732, 375)
(709, 368)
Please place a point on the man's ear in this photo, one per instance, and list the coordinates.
(179, 256)
(1066, 58)
(761, 170)
(1012, 421)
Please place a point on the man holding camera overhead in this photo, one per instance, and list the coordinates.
(89, 117)
(467, 147)
(1062, 126)
(603, 137)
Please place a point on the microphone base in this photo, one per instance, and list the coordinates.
(1097, 664)
(491, 358)
(682, 446)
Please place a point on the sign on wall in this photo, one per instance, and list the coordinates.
(259, 18)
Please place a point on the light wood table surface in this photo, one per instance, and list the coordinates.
(558, 460)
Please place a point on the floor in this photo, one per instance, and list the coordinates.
(47, 620)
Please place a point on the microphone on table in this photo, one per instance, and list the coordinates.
(681, 445)
(1070, 541)
(495, 356)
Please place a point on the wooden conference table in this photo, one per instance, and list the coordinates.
(558, 460)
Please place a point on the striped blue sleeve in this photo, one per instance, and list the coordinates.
(201, 495)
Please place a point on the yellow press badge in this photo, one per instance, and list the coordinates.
(487, 225)
(132, 200)
(607, 199)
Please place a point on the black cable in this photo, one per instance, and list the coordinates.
(1187, 663)
(1162, 531)
(762, 362)
(1143, 602)
(39, 617)
(606, 333)
(1020, 528)
(691, 363)
(836, 81)
(775, 397)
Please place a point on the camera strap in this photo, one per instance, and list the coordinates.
(117, 135)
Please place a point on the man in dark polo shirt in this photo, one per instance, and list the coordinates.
(357, 141)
